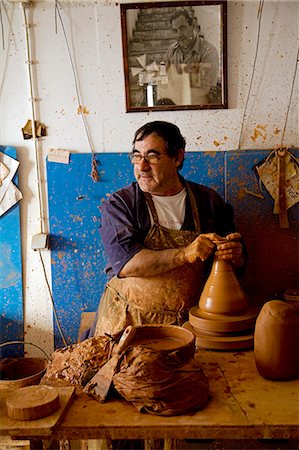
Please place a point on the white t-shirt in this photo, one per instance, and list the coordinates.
(170, 210)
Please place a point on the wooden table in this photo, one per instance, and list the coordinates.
(243, 405)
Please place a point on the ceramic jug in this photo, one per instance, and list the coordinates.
(276, 341)
(222, 293)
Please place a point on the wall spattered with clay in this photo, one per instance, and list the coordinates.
(93, 34)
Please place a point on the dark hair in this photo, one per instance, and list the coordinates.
(169, 132)
(182, 12)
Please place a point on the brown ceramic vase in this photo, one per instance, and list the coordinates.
(276, 343)
(222, 293)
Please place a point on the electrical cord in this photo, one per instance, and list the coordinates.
(7, 343)
(94, 171)
(2, 27)
(52, 300)
(260, 10)
(290, 99)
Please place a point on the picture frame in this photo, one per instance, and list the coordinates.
(175, 55)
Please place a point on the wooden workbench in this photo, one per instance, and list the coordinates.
(243, 405)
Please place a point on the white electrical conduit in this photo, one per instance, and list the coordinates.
(32, 100)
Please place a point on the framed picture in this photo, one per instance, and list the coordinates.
(174, 55)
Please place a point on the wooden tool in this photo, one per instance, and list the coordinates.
(32, 402)
(100, 384)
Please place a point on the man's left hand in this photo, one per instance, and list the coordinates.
(231, 249)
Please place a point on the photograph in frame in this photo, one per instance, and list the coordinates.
(174, 55)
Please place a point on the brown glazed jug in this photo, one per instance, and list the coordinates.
(276, 343)
(222, 293)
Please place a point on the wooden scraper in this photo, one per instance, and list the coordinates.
(100, 383)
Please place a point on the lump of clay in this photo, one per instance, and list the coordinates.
(276, 341)
(159, 383)
(75, 365)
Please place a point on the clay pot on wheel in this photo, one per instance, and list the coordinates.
(222, 293)
(276, 343)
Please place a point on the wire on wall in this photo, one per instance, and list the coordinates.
(52, 300)
(2, 27)
(290, 100)
(260, 11)
(94, 172)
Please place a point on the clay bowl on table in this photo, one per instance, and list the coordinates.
(166, 338)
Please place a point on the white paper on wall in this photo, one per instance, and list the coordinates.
(9, 193)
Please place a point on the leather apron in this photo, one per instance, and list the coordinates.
(161, 299)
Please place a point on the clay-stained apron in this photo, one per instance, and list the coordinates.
(165, 298)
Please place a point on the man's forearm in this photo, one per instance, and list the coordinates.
(148, 263)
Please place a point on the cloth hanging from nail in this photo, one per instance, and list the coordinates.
(279, 173)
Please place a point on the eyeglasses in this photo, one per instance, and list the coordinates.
(151, 159)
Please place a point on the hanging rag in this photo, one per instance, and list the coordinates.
(279, 173)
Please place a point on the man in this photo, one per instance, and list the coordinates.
(192, 55)
(160, 235)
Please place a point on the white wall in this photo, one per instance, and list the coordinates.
(94, 35)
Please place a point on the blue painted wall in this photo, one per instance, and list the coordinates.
(11, 291)
(78, 258)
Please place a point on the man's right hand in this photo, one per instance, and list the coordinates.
(201, 248)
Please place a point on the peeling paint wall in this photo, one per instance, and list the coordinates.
(94, 35)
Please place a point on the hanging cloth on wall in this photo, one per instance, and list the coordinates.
(279, 173)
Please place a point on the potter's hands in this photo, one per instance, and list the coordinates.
(230, 249)
(201, 248)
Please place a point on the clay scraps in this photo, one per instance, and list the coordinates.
(155, 382)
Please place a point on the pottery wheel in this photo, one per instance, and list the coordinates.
(32, 402)
(217, 342)
(222, 323)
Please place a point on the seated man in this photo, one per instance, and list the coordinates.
(160, 234)
(193, 59)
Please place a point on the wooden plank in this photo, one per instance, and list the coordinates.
(7, 443)
(34, 428)
(263, 401)
(242, 405)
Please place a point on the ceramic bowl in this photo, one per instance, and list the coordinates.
(166, 338)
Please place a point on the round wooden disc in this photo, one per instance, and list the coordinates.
(221, 322)
(236, 342)
(32, 402)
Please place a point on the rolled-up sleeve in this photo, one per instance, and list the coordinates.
(119, 232)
